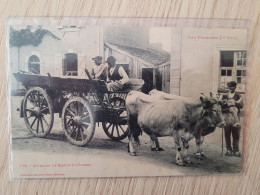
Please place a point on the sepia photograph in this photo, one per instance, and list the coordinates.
(125, 101)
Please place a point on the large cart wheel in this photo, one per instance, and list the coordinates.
(78, 121)
(38, 112)
(116, 128)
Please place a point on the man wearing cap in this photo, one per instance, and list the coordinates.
(235, 131)
(99, 71)
(117, 76)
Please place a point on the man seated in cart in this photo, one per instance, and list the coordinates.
(116, 77)
(100, 70)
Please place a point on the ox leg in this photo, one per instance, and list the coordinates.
(186, 158)
(131, 149)
(152, 143)
(158, 144)
(134, 132)
(201, 149)
(176, 138)
(199, 154)
(155, 145)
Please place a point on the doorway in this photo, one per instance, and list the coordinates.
(147, 76)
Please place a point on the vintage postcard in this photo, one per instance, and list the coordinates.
(108, 100)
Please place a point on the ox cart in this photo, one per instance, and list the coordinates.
(80, 103)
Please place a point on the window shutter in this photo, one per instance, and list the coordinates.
(81, 65)
(58, 65)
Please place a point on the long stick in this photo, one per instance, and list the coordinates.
(222, 143)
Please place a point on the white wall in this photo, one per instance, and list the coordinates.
(84, 43)
(197, 56)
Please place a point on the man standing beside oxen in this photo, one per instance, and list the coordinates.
(232, 100)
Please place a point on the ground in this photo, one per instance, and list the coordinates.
(115, 155)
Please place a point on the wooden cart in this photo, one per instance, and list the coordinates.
(80, 103)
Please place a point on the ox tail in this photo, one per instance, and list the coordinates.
(134, 128)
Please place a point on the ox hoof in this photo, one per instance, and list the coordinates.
(203, 155)
(198, 156)
(179, 162)
(188, 161)
(160, 149)
(157, 149)
(132, 153)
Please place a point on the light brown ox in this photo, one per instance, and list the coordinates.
(180, 118)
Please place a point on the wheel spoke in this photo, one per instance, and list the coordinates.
(45, 120)
(77, 109)
(109, 125)
(44, 109)
(77, 131)
(37, 128)
(85, 124)
(29, 109)
(113, 129)
(29, 116)
(31, 100)
(33, 122)
(68, 123)
(85, 117)
(41, 125)
(81, 133)
(117, 130)
(73, 130)
(44, 100)
(39, 99)
(121, 128)
(71, 112)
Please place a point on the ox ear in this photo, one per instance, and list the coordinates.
(203, 99)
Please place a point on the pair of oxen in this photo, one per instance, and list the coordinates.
(160, 114)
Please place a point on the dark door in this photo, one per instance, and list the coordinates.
(147, 76)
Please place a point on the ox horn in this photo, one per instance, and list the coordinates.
(204, 95)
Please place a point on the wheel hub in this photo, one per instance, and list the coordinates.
(77, 120)
(37, 111)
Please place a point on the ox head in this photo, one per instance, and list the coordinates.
(212, 113)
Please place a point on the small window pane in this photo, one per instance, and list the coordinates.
(244, 62)
(223, 72)
(244, 73)
(244, 54)
(226, 58)
(238, 79)
(239, 54)
(238, 72)
(229, 72)
(239, 62)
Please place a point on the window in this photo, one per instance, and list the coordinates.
(34, 64)
(70, 64)
(233, 68)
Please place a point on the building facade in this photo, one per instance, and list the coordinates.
(200, 60)
(204, 60)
